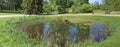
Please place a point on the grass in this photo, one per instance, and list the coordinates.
(115, 12)
(10, 37)
(3, 12)
(99, 12)
(103, 12)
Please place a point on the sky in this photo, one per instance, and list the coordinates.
(93, 1)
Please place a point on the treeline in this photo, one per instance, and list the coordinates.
(58, 6)
(10, 4)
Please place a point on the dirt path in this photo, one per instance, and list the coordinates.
(21, 15)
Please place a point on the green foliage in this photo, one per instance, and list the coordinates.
(76, 6)
(47, 8)
(32, 6)
(85, 1)
(70, 11)
(13, 4)
(86, 8)
(62, 5)
(97, 6)
(2, 4)
(59, 9)
(43, 6)
(117, 5)
(112, 5)
(83, 8)
(74, 9)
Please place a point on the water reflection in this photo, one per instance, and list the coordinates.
(97, 32)
(45, 31)
(73, 31)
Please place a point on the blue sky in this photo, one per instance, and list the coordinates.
(93, 1)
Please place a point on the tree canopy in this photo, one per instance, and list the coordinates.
(32, 6)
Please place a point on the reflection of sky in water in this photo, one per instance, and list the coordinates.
(73, 32)
(45, 30)
(97, 32)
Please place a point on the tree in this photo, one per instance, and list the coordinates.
(112, 5)
(76, 6)
(86, 8)
(85, 1)
(13, 4)
(63, 5)
(18, 4)
(32, 6)
(117, 5)
(47, 8)
(108, 5)
(2, 3)
(97, 5)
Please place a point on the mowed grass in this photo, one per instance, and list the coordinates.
(8, 12)
(10, 37)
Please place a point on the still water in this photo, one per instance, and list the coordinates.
(45, 31)
(97, 32)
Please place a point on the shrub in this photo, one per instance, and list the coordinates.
(70, 11)
(47, 8)
(32, 6)
(86, 8)
(74, 9)
(59, 9)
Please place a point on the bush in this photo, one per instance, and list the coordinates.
(86, 8)
(47, 8)
(32, 6)
(59, 9)
(70, 11)
(74, 9)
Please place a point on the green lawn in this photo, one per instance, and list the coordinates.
(99, 12)
(10, 37)
(4, 12)
(117, 12)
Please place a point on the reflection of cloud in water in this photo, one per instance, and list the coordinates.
(97, 32)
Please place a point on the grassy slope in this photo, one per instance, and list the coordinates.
(112, 41)
(12, 38)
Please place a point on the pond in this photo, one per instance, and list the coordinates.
(60, 33)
